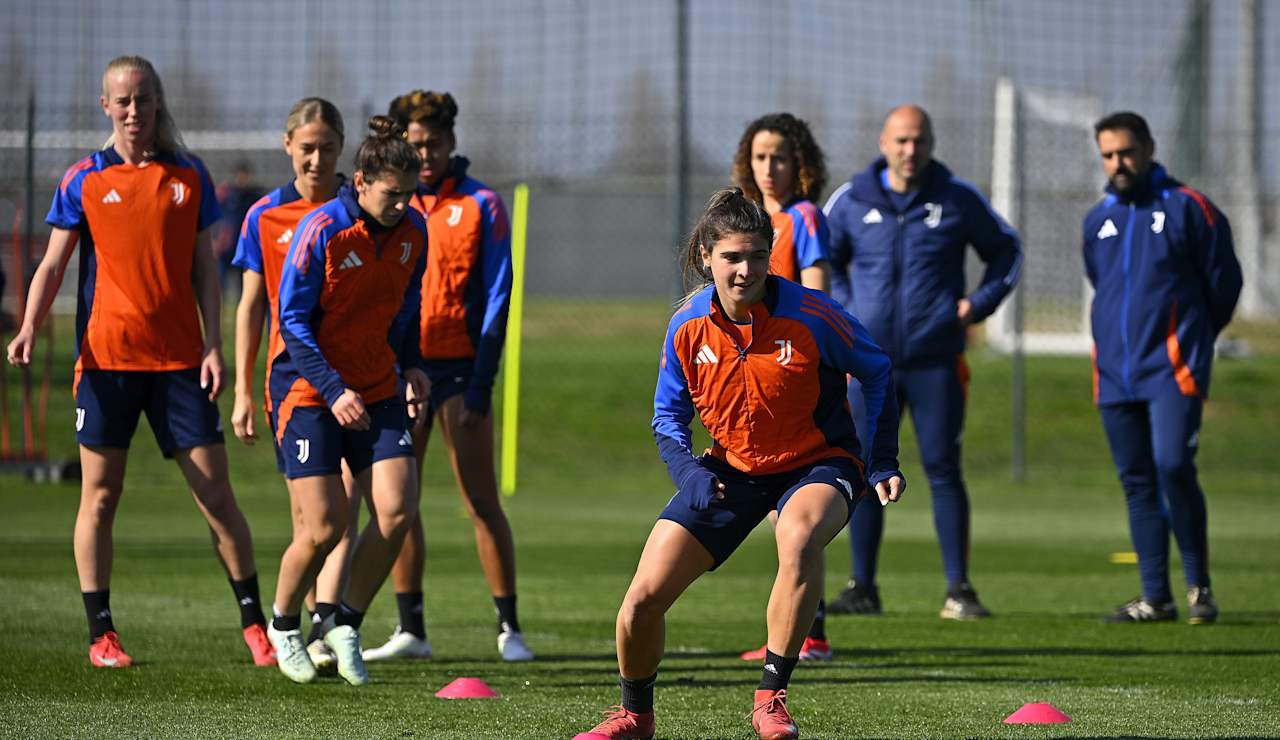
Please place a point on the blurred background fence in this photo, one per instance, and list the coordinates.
(623, 116)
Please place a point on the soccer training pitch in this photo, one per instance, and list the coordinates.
(590, 486)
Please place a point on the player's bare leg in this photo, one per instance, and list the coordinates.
(393, 505)
(205, 468)
(101, 483)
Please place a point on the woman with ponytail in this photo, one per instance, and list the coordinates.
(763, 362)
(350, 292)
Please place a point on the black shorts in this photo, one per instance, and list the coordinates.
(748, 499)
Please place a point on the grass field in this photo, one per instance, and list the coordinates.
(590, 486)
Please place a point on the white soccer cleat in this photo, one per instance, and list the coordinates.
(401, 645)
(291, 655)
(513, 648)
(322, 658)
(344, 640)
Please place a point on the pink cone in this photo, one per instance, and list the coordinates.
(590, 736)
(1036, 714)
(467, 688)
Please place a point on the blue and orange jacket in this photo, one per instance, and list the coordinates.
(1167, 280)
(902, 273)
(264, 242)
(800, 238)
(467, 286)
(780, 402)
(136, 303)
(349, 300)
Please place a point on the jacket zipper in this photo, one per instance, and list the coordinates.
(1124, 305)
(900, 321)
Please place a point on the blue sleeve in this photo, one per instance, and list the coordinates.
(67, 210)
(249, 247)
(495, 267)
(847, 346)
(811, 246)
(1216, 257)
(839, 249)
(301, 285)
(406, 329)
(999, 246)
(210, 213)
(672, 412)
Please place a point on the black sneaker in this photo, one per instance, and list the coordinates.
(962, 603)
(1142, 610)
(856, 599)
(1201, 608)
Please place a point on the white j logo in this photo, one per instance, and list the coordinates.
(79, 419)
(406, 248)
(934, 216)
(455, 215)
(784, 351)
(179, 192)
(304, 450)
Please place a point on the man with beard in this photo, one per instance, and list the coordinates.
(1160, 257)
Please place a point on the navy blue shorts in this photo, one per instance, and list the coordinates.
(275, 442)
(314, 443)
(448, 378)
(748, 499)
(109, 402)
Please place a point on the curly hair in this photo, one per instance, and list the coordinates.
(811, 168)
(436, 110)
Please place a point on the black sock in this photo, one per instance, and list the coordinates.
(250, 605)
(410, 605)
(319, 626)
(348, 616)
(637, 693)
(282, 623)
(97, 607)
(777, 671)
(819, 629)
(507, 621)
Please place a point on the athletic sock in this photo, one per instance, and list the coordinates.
(97, 608)
(819, 629)
(777, 671)
(246, 592)
(283, 623)
(348, 616)
(507, 621)
(637, 693)
(323, 611)
(411, 621)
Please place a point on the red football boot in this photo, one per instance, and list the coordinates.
(756, 655)
(621, 725)
(105, 652)
(770, 717)
(255, 636)
(816, 650)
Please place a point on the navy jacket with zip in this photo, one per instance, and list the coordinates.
(902, 273)
(1167, 282)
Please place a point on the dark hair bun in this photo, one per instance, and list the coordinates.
(385, 127)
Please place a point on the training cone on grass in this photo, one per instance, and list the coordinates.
(467, 688)
(590, 736)
(1036, 714)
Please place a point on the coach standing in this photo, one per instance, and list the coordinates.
(1159, 256)
(898, 236)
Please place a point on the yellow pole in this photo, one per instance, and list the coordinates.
(515, 319)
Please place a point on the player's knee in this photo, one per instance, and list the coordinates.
(642, 606)
(1176, 474)
(487, 509)
(798, 545)
(99, 502)
(325, 534)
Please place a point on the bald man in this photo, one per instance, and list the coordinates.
(899, 231)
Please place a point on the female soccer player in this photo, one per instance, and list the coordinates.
(780, 166)
(313, 139)
(464, 324)
(763, 362)
(349, 298)
(141, 208)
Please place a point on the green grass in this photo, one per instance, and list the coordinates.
(590, 486)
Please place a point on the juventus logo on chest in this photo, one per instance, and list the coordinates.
(455, 214)
(179, 193)
(784, 351)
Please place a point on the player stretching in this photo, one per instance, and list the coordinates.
(313, 139)
(763, 362)
(464, 322)
(349, 298)
(141, 210)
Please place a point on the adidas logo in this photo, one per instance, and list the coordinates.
(705, 356)
(406, 439)
(112, 197)
(873, 217)
(1108, 230)
(352, 260)
(286, 237)
(246, 601)
(770, 668)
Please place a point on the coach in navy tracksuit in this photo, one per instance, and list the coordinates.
(1159, 255)
(898, 237)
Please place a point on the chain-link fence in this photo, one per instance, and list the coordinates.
(582, 101)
